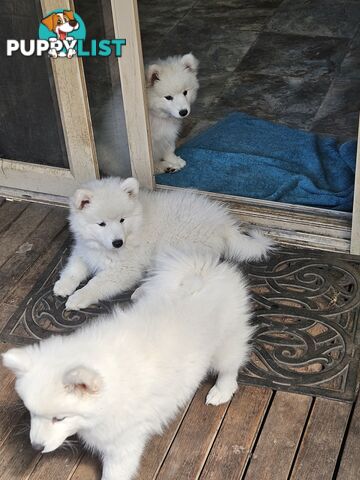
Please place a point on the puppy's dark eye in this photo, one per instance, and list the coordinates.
(169, 97)
(102, 224)
(185, 92)
(57, 419)
(122, 220)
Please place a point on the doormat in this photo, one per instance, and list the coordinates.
(306, 309)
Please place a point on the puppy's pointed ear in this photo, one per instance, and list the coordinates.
(69, 14)
(152, 74)
(49, 21)
(17, 360)
(82, 380)
(190, 62)
(82, 198)
(130, 186)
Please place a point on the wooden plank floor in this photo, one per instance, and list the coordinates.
(259, 435)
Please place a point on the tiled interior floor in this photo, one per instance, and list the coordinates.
(296, 62)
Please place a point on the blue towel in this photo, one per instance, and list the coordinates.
(249, 157)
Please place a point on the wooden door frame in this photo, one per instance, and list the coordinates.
(131, 67)
(355, 226)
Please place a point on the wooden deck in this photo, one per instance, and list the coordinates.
(259, 435)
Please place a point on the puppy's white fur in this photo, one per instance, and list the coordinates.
(152, 222)
(175, 78)
(120, 379)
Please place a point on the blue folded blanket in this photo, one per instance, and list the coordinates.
(246, 156)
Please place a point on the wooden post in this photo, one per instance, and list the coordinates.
(74, 109)
(355, 229)
(126, 25)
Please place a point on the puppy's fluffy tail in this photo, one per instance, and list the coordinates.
(252, 245)
(184, 271)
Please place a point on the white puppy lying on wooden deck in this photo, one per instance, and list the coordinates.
(120, 229)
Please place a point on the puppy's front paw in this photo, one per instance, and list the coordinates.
(64, 288)
(217, 397)
(78, 300)
(71, 53)
(172, 164)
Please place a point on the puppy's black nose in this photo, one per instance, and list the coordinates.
(117, 243)
(37, 446)
(183, 113)
(73, 23)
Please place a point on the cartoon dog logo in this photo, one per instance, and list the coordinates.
(62, 24)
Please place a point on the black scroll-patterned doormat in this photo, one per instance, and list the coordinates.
(306, 306)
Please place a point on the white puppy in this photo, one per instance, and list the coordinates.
(121, 379)
(172, 87)
(118, 231)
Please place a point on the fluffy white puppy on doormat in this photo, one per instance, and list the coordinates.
(122, 378)
(118, 230)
